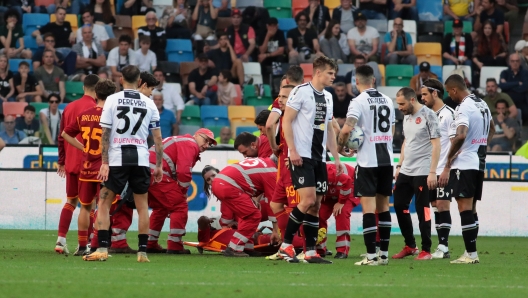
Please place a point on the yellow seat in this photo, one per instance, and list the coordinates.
(138, 21)
(331, 4)
(71, 18)
(242, 114)
(428, 51)
(382, 71)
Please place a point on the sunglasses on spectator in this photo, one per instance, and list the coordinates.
(10, 122)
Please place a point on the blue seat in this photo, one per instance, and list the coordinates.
(29, 43)
(13, 64)
(33, 21)
(62, 106)
(218, 3)
(214, 116)
(179, 50)
(436, 69)
(250, 129)
(286, 24)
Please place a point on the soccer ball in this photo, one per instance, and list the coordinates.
(356, 138)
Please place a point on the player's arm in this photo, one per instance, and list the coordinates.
(492, 131)
(289, 116)
(331, 143)
(69, 134)
(271, 127)
(400, 162)
(456, 143)
(184, 164)
(345, 133)
(431, 179)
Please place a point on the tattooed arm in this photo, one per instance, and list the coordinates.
(105, 143)
(342, 139)
(158, 145)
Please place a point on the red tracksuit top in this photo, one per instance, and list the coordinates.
(264, 150)
(340, 188)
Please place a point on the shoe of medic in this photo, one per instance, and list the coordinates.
(122, 250)
(229, 252)
(367, 262)
(406, 251)
(156, 250)
(465, 259)
(142, 257)
(288, 254)
(440, 254)
(424, 255)
(61, 249)
(178, 252)
(328, 253)
(316, 259)
(96, 256)
(81, 251)
(340, 255)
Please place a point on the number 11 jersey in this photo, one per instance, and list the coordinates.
(129, 114)
(375, 114)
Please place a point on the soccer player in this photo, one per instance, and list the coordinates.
(374, 113)
(168, 198)
(70, 160)
(126, 119)
(416, 171)
(472, 129)
(88, 126)
(307, 133)
(432, 93)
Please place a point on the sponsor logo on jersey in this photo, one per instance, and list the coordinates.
(301, 180)
(418, 120)
(479, 141)
(458, 174)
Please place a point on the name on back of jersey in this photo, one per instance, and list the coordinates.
(377, 100)
(90, 118)
(132, 102)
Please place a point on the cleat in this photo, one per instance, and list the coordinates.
(340, 255)
(61, 249)
(315, 260)
(383, 260)
(156, 249)
(321, 235)
(142, 257)
(465, 259)
(365, 254)
(274, 257)
(301, 256)
(81, 251)
(200, 250)
(288, 254)
(178, 252)
(439, 254)
(424, 255)
(253, 253)
(367, 262)
(96, 256)
(329, 253)
(406, 251)
(122, 250)
(229, 252)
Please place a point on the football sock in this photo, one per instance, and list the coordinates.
(282, 221)
(384, 228)
(143, 239)
(369, 232)
(475, 216)
(311, 227)
(406, 227)
(469, 230)
(437, 219)
(444, 227)
(65, 220)
(294, 222)
(83, 238)
(104, 239)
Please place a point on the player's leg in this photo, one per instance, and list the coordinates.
(87, 192)
(72, 192)
(384, 219)
(139, 182)
(442, 220)
(92, 216)
(478, 196)
(343, 231)
(324, 214)
(421, 203)
(403, 193)
(178, 220)
(365, 187)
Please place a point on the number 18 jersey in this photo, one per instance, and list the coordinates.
(375, 114)
(129, 114)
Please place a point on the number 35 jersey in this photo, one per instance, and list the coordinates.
(375, 114)
(130, 115)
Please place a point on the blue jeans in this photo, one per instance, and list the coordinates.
(34, 9)
(210, 99)
(450, 62)
(75, 7)
(372, 14)
(410, 13)
(450, 18)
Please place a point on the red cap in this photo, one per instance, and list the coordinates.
(236, 11)
(206, 132)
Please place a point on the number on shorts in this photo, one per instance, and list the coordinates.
(321, 186)
(123, 114)
(440, 192)
(380, 118)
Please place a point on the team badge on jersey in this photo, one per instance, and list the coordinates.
(301, 180)
(458, 174)
(418, 120)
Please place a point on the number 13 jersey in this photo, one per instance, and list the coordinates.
(375, 114)
(129, 114)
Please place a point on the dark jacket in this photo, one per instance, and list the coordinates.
(242, 32)
(518, 93)
(336, 14)
(446, 45)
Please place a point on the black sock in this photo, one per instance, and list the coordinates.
(469, 230)
(438, 221)
(475, 216)
(310, 227)
(294, 222)
(444, 227)
(384, 227)
(143, 239)
(369, 232)
(406, 227)
(103, 238)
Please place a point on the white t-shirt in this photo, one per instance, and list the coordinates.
(147, 62)
(363, 42)
(99, 33)
(130, 115)
(114, 59)
(172, 99)
(446, 116)
(375, 114)
(53, 121)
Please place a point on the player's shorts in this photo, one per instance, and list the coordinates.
(138, 178)
(72, 185)
(464, 183)
(408, 186)
(370, 181)
(441, 193)
(88, 191)
(479, 186)
(284, 192)
(312, 173)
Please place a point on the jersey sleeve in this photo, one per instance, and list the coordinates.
(296, 99)
(354, 110)
(184, 164)
(73, 129)
(461, 117)
(275, 107)
(433, 125)
(330, 107)
(107, 115)
(155, 118)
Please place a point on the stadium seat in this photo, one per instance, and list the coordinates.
(252, 99)
(279, 8)
(390, 91)
(430, 38)
(44, 3)
(259, 109)
(188, 129)
(179, 50)
(138, 21)
(430, 52)
(72, 18)
(331, 4)
(343, 69)
(238, 98)
(247, 3)
(436, 69)
(506, 31)
(286, 24)
(298, 6)
(490, 72)
(398, 75)
(29, 43)
(119, 31)
(525, 31)
(409, 26)
(191, 116)
(253, 70)
(448, 69)
(33, 21)
(381, 68)
(74, 90)
(214, 115)
(185, 70)
(448, 27)
(431, 28)
(241, 114)
(123, 21)
(14, 108)
(13, 64)
(38, 107)
(215, 129)
(171, 71)
(241, 129)
(307, 70)
(62, 106)
(380, 25)
(166, 2)
(111, 43)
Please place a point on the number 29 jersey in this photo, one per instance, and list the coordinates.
(375, 114)
(129, 114)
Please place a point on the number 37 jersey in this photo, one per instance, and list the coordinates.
(375, 114)
(129, 114)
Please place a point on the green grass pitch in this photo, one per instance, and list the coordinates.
(30, 268)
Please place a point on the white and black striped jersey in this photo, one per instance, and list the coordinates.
(315, 111)
(474, 113)
(446, 116)
(130, 115)
(375, 114)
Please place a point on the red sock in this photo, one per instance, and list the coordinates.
(65, 219)
(94, 243)
(282, 221)
(83, 238)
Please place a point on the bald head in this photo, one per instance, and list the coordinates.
(151, 19)
(455, 86)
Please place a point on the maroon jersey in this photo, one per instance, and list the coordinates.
(87, 125)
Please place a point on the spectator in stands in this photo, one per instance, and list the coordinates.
(50, 119)
(28, 124)
(224, 57)
(90, 54)
(350, 78)
(103, 11)
(491, 50)
(457, 47)
(172, 99)
(335, 44)
(344, 14)
(319, 16)
(26, 85)
(168, 124)
(10, 33)
(226, 90)
(7, 86)
(514, 82)
(49, 44)
(100, 35)
(363, 40)
(521, 47)
(405, 9)
(158, 39)
(25, 6)
(492, 97)
(460, 10)
(425, 74)
(241, 37)
(72, 7)
(61, 30)
(374, 9)
(121, 56)
(146, 57)
(303, 42)
(341, 102)
(205, 14)
(399, 45)
(11, 135)
(509, 8)
(50, 77)
(488, 12)
(178, 21)
(103, 74)
(506, 128)
(224, 11)
(202, 83)
(225, 137)
(272, 44)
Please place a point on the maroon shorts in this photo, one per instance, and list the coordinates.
(284, 192)
(72, 185)
(88, 191)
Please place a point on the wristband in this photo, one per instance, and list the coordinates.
(105, 162)
(398, 166)
(432, 173)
